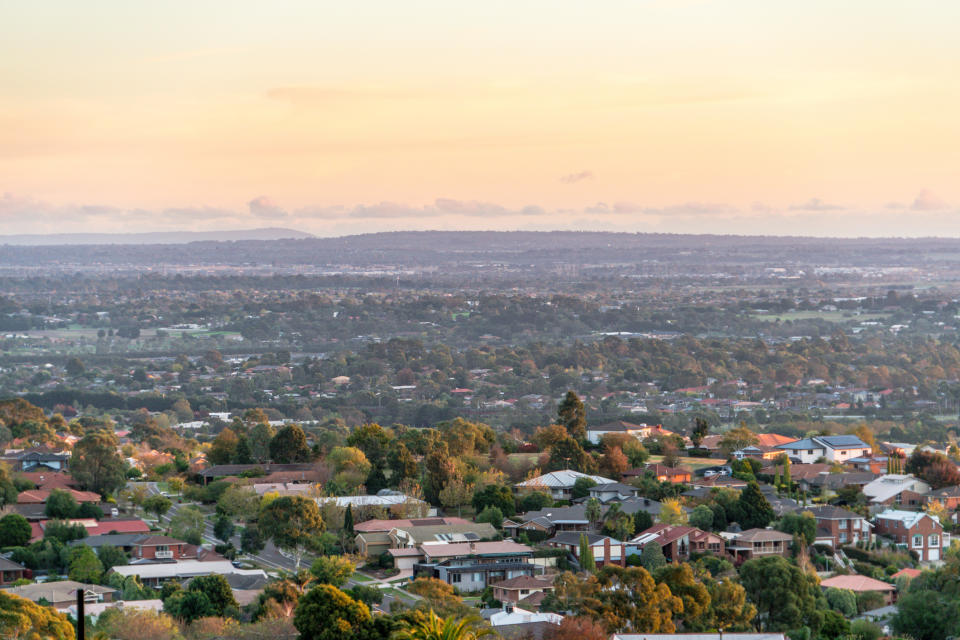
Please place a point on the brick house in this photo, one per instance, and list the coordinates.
(144, 546)
(862, 584)
(757, 543)
(10, 571)
(522, 588)
(914, 530)
(948, 496)
(606, 550)
(663, 473)
(677, 541)
(838, 527)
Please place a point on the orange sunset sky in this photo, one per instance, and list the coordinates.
(735, 116)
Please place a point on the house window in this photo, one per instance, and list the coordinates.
(456, 577)
(918, 541)
(933, 541)
(843, 537)
(843, 524)
(810, 452)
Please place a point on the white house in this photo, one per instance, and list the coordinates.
(638, 431)
(832, 448)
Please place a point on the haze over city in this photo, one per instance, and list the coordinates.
(814, 118)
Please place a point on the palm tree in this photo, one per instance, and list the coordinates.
(437, 628)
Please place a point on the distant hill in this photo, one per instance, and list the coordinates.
(157, 237)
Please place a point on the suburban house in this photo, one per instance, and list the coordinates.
(144, 546)
(156, 573)
(514, 623)
(39, 496)
(40, 458)
(838, 527)
(663, 473)
(606, 550)
(914, 530)
(559, 484)
(827, 483)
(370, 526)
(832, 448)
(10, 571)
(638, 431)
(757, 543)
(613, 491)
(677, 541)
(550, 520)
(292, 472)
(897, 490)
(62, 594)
(95, 527)
(948, 496)
(403, 536)
(385, 498)
(525, 590)
(861, 584)
(472, 566)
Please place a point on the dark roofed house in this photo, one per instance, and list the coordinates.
(522, 588)
(606, 550)
(613, 491)
(677, 541)
(838, 527)
(40, 458)
(304, 471)
(10, 571)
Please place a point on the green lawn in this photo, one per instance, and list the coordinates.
(359, 577)
(692, 463)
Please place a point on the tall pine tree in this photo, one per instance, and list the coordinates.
(348, 520)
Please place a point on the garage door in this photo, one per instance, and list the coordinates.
(933, 554)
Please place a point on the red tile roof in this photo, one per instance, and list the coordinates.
(39, 496)
(856, 583)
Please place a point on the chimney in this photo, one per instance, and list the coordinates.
(606, 550)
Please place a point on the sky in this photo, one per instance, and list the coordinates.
(734, 116)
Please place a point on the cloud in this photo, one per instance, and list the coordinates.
(470, 207)
(815, 204)
(264, 207)
(580, 176)
(927, 201)
(691, 209)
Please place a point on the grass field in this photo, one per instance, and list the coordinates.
(692, 463)
(359, 577)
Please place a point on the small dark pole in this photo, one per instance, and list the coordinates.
(81, 615)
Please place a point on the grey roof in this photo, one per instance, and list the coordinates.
(10, 565)
(831, 512)
(614, 486)
(573, 538)
(56, 591)
(554, 515)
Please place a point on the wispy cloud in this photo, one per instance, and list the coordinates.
(580, 176)
(264, 207)
(927, 201)
(815, 204)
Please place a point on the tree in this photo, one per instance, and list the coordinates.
(327, 613)
(577, 628)
(785, 596)
(736, 439)
(188, 606)
(587, 563)
(498, 496)
(593, 508)
(492, 515)
(618, 524)
(753, 509)
(75, 367)
(8, 490)
(702, 517)
(223, 449)
(293, 523)
(456, 494)
(572, 416)
(802, 525)
(136, 624)
(439, 596)
(925, 614)
(729, 609)
(187, 524)
(629, 598)
(290, 445)
(652, 558)
(22, 618)
(614, 462)
(700, 431)
(217, 590)
(14, 531)
(348, 520)
(671, 512)
(350, 466)
(239, 501)
(157, 505)
(250, 540)
(581, 487)
(436, 628)
(223, 528)
(60, 505)
(333, 570)
(568, 454)
(842, 600)
(84, 565)
(642, 521)
(259, 441)
(96, 463)
(694, 595)
(111, 556)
